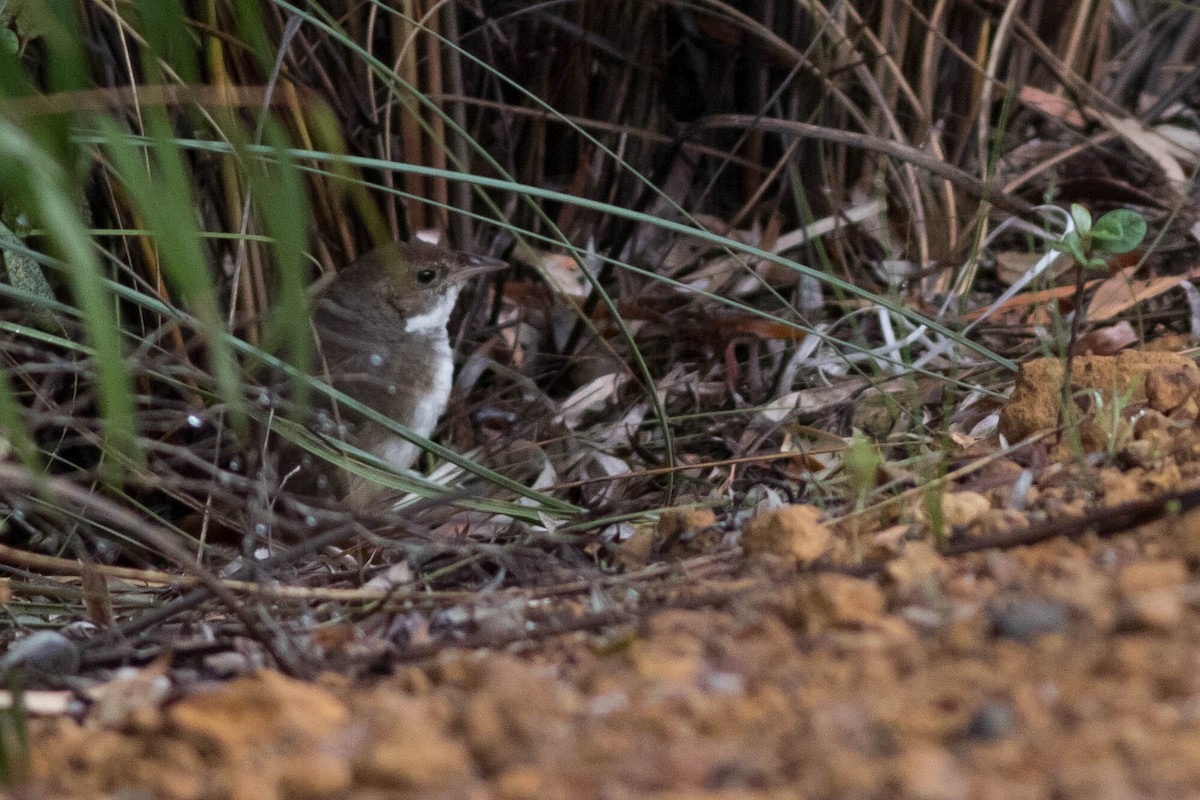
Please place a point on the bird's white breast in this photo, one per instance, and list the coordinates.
(400, 453)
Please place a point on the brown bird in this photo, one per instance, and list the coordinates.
(381, 325)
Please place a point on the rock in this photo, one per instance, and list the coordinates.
(270, 732)
(1168, 389)
(519, 783)
(1034, 404)
(1152, 597)
(1161, 609)
(992, 722)
(1143, 453)
(997, 521)
(919, 564)
(42, 653)
(1150, 422)
(407, 747)
(791, 531)
(227, 664)
(961, 509)
(850, 602)
(1151, 574)
(681, 532)
(931, 773)
(674, 523)
(1026, 618)
(1119, 487)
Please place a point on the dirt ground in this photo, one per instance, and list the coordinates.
(1061, 670)
(1069, 668)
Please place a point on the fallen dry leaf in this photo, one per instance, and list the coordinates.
(1119, 293)
(1107, 341)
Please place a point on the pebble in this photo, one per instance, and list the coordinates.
(993, 721)
(1025, 618)
(45, 653)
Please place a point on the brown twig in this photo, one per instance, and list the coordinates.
(877, 144)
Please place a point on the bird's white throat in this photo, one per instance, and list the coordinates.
(436, 318)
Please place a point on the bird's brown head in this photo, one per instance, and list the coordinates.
(416, 281)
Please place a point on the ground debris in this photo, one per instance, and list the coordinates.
(1028, 672)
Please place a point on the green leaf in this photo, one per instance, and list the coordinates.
(58, 22)
(1082, 218)
(862, 462)
(33, 18)
(1073, 243)
(164, 24)
(1120, 231)
(158, 183)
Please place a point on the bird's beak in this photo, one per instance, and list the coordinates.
(471, 265)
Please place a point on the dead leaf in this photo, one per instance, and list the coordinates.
(561, 271)
(1107, 341)
(1029, 299)
(95, 594)
(1012, 265)
(1157, 147)
(1118, 293)
(1051, 105)
(1185, 141)
(592, 396)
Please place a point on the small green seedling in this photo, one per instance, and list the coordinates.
(863, 464)
(1118, 428)
(1091, 244)
(1115, 233)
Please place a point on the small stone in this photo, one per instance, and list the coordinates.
(992, 722)
(919, 563)
(227, 664)
(1183, 535)
(1151, 591)
(46, 653)
(519, 783)
(1026, 618)
(850, 602)
(930, 773)
(997, 521)
(1151, 574)
(1151, 421)
(412, 758)
(961, 509)
(1143, 453)
(674, 523)
(923, 618)
(791, 531)
(1161, 609)
(1168, 389)
(1166, 477)
(1120, 487)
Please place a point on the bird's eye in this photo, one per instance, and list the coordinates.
(426, 276)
